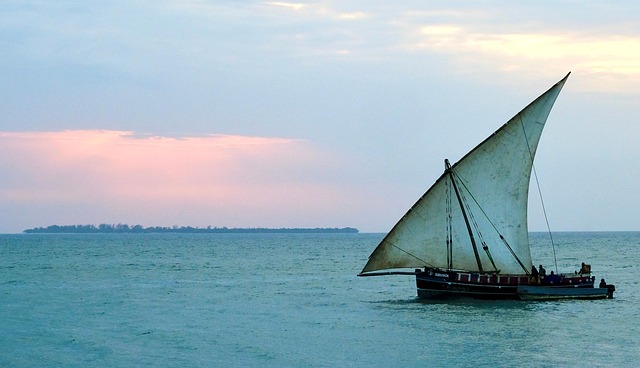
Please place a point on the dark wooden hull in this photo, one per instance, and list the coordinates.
(432, 283)
(531, 292)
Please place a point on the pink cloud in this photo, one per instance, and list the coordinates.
(117, 176)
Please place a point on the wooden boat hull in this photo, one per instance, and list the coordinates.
(531, 292)
(434, 284)
(438, 287)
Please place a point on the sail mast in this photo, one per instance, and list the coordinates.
(464, 214)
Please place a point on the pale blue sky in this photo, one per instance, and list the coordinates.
(370, 97)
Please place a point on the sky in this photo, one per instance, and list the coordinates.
(306, 114)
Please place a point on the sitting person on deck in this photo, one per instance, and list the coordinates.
(553, 278)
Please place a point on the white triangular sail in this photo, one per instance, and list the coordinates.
(494, 181)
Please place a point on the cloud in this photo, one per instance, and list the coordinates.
(294, 6)
(610, 59)
(155, 37)
(209, 180)
(375, 81)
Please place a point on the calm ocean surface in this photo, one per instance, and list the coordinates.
(292, 301)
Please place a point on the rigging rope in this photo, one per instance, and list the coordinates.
(473, 221)
(409, 254)
(449, 228)
(544, 210)
(526, 270)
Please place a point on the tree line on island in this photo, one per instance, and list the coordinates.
(124, 228)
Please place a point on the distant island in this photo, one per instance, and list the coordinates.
(138, 229)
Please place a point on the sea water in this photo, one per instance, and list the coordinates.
(292, 300)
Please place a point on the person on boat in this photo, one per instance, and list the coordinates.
(585, 269)
(542, 272)
(603, 284)
(534, 274)
(553, 278)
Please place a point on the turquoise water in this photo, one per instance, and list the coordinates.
(291, 301)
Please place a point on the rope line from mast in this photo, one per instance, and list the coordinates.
(410, 254)
(485, 247)
(526, 270)
(544, 210)
(449, 228)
